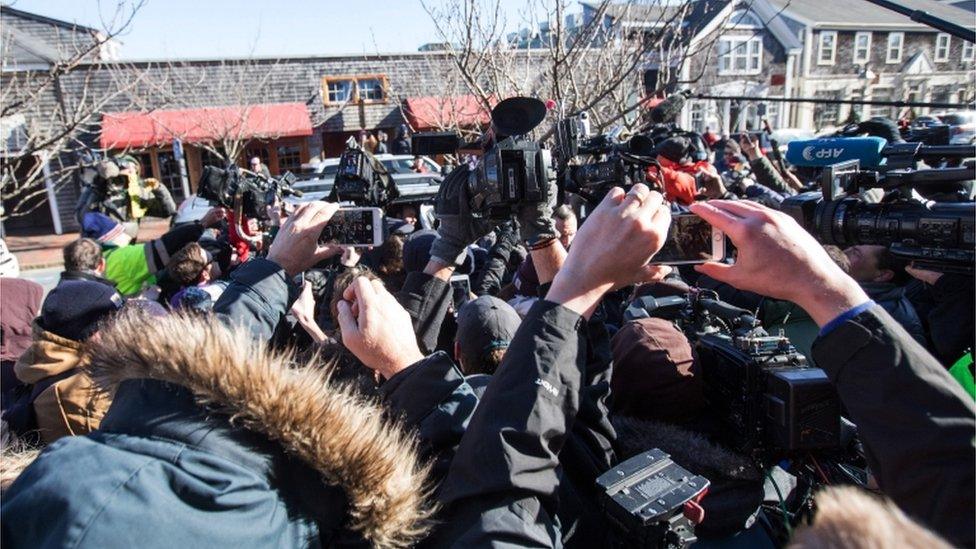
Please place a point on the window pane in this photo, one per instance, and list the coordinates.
(740, 63)
(339, 90)
(754, 46)
(289, 158)
(371, 89)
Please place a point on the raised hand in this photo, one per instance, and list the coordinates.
(376, 328)
(296, 247)
(777, 258)
(613, 248)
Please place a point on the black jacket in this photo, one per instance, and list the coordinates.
(946, 309)
(502, 486)
(916, 423)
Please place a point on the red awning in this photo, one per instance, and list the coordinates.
(426, 113)
(122, 130)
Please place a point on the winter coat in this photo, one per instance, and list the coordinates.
(68, 402)
(916, 423)
(213, 441)
(20, 300)
(503, 484)
(893, 300)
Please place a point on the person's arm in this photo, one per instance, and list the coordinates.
(766, 174)
(488, 280)
(951, 319)
(427, 297)
(503, 481)
(916, 423)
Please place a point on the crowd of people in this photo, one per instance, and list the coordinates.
(165, 393)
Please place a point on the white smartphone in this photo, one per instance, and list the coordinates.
(357, 227)
(691, 240)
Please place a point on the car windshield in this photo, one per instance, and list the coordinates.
(330, 170)
(405, 165)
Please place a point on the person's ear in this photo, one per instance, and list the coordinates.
(100, 268)
(205, 275)
(885, 275)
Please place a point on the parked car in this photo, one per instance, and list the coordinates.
(415, 188)
(962, 126)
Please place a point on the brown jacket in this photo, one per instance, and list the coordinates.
(71, 405)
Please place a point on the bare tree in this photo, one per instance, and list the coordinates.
(43, 125)
(595, 65)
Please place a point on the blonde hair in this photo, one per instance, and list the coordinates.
(850, 518)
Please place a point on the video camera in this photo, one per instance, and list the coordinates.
(621, 163)
(934, 235)
(250, 192)
(513, 169)
(769, 401)
(362, 179)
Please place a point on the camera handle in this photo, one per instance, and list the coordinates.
(739, 318)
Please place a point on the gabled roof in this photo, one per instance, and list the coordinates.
(7, 10)
(862, 15)
(23, 49)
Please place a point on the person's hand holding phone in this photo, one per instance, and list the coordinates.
(613, 248)
(779, 259)
(296, 246)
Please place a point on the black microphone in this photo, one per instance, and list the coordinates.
(669, 109)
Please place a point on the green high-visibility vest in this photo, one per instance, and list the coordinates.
(962, 371)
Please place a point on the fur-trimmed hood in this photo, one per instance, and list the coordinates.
(327, 425)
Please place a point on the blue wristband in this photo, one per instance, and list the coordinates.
(844, 317)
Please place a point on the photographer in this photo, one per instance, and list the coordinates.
(916, 423)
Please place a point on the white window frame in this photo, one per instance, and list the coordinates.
(968, 51)
(867, 48)
(943, 48)
(820, 48)
(901, 47)
(739, 47)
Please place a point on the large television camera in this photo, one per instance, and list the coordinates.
(934, 235)
(362, 179)
(590, 165)
(769, 401)
(251, 193)
(513, 169)
(612, 161)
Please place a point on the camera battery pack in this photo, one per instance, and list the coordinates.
(652, 498)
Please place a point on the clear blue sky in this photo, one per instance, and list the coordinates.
(240, 28)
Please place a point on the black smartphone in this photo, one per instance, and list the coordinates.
(691, 239)
(359, 227)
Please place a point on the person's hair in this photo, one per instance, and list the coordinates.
(563, 212)
(483, 363)
(895, 264)
(83, 254)
(187, 264)
(848, 517)
(839, 257)
(390, 265)
(339, 285)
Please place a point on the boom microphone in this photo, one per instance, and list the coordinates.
(669, 109)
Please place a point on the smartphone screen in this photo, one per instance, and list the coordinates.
(461, 290)
(354, 227)
(689, 241)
